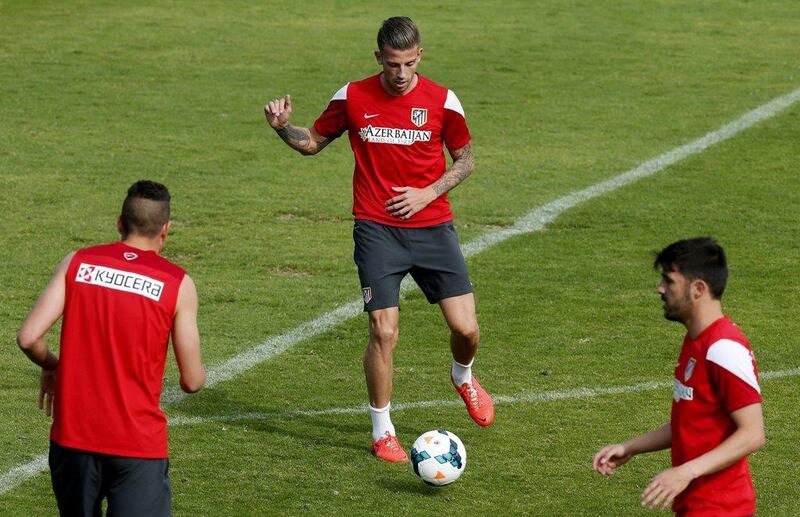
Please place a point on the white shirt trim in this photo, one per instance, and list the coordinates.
(452, 103)
(736, 358)
(341, 95)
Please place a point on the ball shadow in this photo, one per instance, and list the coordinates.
(411, 486)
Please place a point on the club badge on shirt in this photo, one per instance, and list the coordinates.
(419, 116)
(689, 369)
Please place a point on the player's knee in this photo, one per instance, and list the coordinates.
(469, 333)
(383, 337)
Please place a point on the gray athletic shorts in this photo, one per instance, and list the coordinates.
(384, 254)
(132, 486)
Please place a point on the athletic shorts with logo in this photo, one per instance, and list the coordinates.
(385, 254)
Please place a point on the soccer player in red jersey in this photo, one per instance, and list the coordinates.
(398, 123)
(120, 303)
(716, 410)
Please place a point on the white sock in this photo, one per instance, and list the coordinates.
(461, 373)
(381, 422)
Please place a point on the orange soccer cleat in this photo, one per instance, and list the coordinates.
(479, 403)
(389, 449)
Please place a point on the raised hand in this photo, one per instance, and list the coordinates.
(278, 111)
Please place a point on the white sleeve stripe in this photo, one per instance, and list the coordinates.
(736, 358)
(452, 103)
(341, 95)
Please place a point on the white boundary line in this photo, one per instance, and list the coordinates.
(530, 397)
(533, 221)
(19, 474)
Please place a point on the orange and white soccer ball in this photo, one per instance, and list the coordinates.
(438, 457)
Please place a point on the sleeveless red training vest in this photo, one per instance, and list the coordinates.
(118, 315)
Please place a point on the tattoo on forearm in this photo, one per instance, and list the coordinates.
(295, 137)
(323, 144)
(299, 139)
(462, 167)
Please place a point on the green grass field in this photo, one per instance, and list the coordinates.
(558, 95)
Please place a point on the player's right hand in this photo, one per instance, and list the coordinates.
(609, 458)
(278, 111)
(47, 386)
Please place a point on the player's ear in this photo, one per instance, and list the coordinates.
(378, 57)
(120, 227)
(698, 289)
(419, 54)
(165, 229)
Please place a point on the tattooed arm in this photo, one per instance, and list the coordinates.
(303, 140)
(412, 200)
(463, 164)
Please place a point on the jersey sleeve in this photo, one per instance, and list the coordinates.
(454, 128)
(733, 371)
(333, 121)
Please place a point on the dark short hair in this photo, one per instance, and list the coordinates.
(700, 258)
(145, 209)
(399, 33)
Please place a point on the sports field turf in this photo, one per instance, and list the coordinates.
(559, 96)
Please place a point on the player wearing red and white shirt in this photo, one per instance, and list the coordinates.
(396, 140)
(398, 124)
(716, 375)
(716, 412)
(121, 303)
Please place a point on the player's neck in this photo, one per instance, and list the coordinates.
(702, 317)
(388, 89)
(144, 243)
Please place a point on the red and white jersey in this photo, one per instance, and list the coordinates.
(716, 374)
(118, 314)
(397, 141)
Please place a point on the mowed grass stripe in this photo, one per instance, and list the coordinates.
(533, 221)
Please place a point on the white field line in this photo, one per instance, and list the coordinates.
(530, 397)
(17, 475)
(20, 473)
(533, 221)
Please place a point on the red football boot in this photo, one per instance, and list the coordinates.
(389, 449)
(479, 403)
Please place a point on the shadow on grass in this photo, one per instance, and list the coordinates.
(411, 486)
(349, 433)
(335, 431)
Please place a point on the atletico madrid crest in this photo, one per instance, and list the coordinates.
(689, 369)
(419, 116)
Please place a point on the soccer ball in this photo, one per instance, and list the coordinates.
(438, 457)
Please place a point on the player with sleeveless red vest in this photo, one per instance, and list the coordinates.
(120, 303)
(716, 410)
(398, 124)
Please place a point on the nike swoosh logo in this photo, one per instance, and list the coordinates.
(371, 116)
